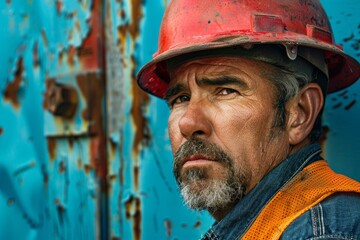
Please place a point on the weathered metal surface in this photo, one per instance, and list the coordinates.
(51, 176)
(60, 100)
(143, 199)
(105, 172)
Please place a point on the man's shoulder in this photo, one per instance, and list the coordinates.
(336, 217)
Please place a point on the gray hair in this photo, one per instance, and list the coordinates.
(287, 85)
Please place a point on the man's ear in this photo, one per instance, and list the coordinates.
(303, 111)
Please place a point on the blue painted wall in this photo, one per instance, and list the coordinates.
(105, 173)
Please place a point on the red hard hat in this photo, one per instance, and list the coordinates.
(190, 26)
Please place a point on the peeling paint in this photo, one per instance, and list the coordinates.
(51, 143)
(92, 89)
(133, 211)
(142, 132)
(12, 89)
(168, 227)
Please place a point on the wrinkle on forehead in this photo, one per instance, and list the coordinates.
(213, 66)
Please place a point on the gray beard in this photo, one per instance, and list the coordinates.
(199, 193)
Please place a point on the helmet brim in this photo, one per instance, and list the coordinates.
(343, 70)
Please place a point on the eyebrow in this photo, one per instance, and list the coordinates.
(174, 90)
(217, 81)
(223, 80)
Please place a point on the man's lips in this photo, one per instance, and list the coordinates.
(196, 159)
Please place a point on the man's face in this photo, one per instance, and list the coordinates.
(221, 129)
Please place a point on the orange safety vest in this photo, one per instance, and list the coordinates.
(312, 185)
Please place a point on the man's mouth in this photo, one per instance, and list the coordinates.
(194, 160)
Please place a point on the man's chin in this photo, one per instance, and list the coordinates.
(196, 187)
(207, 194)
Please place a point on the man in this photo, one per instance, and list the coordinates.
(245, 82)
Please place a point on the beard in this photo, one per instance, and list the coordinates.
(201, 191)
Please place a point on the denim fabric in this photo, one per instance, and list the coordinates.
(337, 217)
(239, 220)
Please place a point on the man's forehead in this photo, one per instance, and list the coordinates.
(218, 65)
(216, 71)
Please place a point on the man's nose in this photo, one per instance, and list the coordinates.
(195, 120)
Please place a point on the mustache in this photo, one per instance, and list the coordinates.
(199, 146)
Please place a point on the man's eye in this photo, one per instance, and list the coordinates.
(180, 99)
(226, 91)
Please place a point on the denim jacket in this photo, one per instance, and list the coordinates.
(336, 217)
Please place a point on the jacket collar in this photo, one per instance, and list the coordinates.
(240, 218)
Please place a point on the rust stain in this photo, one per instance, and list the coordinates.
(85, 114)
(139, 102)
(71, 56)
(61, 57)
(136, 14)
(112, 177)
(113, 147)
(91, 50)
(136, 177)
(11, 91)
(87, 168)
(140, 99)
(168, 227)
(128, 207)
(36, 58)
(62, 167)
(59, 6)
(79, 163)
(60, 100)
(92, 89)
(71, 143)
(71, 34)
(98, 159)
(133, 210)
(1, 131)
(51, 144)
(122, 14)
(49, 82)
(77, 26)
(197, 224)
(142, 132)
(137, 219)
(10, 202)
